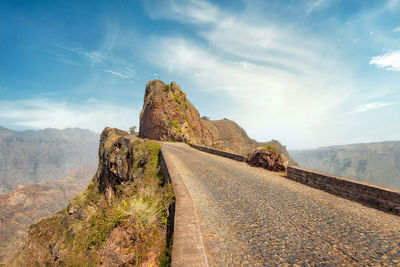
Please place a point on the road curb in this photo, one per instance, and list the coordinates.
(188, 248)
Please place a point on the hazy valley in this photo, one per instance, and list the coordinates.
(28, 157)
(377, 163)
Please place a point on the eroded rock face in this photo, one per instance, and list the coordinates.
(167, 115)
(116, 158)
(262, 157)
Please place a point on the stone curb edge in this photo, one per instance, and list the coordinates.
(219, 152)
(188, 248)
(376, 196)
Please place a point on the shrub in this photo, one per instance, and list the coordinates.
(132, 129)
(177, 99)
(270, 148)
(167, 87)
(205, 118)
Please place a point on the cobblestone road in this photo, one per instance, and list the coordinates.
(252, 217)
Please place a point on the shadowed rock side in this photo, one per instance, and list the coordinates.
(120, 219)
(168, 115)
(27, 204)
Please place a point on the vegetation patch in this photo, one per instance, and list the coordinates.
(173, 123)
(177, 99)
(271, 148)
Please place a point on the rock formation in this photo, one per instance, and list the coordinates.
(168, 115)
(120, 219)
(267, 159)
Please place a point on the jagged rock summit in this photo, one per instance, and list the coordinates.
(168, 115)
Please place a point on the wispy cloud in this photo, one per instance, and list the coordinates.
(315, 5)
(44, 113)
(267, 69)
(397, 29)
(388, 61)
(109, 64)
(369, 106)
(126, 73)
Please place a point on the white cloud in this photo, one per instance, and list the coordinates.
(44, 113)
(370, 106)
(388, 61)
(397, 29)
(246, 65)
(286, 85)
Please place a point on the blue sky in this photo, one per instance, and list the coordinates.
(306, 72)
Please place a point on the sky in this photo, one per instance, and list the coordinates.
(308, 73)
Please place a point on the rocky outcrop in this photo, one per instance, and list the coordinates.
(230, 136)
(267, 159)
(120, 219)
(168, 115)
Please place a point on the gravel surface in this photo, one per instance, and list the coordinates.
(252, 217)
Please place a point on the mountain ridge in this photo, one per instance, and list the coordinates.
(376, 162)
(30, 156)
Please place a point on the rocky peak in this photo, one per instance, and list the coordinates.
(168, 115)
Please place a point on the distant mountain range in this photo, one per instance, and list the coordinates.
(377, 163)
(28, 157)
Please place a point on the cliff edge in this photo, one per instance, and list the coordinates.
(120, 219)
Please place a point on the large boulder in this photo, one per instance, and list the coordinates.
(268, 159)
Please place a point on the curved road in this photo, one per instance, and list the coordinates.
(250, 216)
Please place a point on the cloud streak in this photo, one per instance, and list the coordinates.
(369, 106)
(111, 65)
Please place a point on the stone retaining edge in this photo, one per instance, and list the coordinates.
(219, 152)
(372, 195)
(188, 248)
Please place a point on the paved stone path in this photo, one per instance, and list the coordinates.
(252, 217)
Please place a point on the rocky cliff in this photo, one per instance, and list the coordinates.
(168, 115)
(28, 157)
(120, 219)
